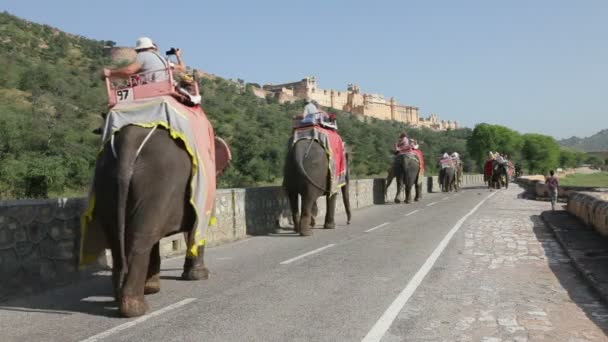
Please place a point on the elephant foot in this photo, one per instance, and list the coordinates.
(313, 222)
(416, 199)
(329, 225)
(152, 285)
(397, 200)
(407, 201)
(196, 273)
(306, 232)
(133, 306)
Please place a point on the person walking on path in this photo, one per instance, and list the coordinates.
(552, 186)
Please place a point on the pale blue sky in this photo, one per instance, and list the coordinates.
(535, 66)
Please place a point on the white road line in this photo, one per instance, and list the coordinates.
(445, 198)
(288, 261)
(376, 227)
(431, 204)
(412, 213)
(138, 320)
(385, 321)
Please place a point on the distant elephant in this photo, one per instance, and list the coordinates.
(407, 171)
(307, 174)
(500, 175)
(142, 196)
(447, 179)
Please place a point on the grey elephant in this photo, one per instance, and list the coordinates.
(407, 173)
(500, 175)
(307, 174)
(142, 189)
(447, 179)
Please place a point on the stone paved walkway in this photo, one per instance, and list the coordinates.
(504, 277)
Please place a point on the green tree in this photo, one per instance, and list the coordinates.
(540, 152)
(495, 138)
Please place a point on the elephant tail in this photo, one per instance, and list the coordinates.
(126, 156)
(300, 154)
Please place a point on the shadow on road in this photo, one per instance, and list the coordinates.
(563, 269)
(90, 294)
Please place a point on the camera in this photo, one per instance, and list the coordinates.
(171, 51)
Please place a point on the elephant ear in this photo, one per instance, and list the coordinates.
(223, 156)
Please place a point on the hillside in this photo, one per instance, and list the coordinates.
(595, 143)
(51, 96)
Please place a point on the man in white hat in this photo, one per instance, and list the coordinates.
(147, 60)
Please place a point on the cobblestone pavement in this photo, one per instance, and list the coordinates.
(504, 277)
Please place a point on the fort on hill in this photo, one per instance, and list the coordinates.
(353, 101)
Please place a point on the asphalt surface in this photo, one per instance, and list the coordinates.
(263, 288)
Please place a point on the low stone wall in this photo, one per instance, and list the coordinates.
(536, 188)
(591, 208)
(39, 239)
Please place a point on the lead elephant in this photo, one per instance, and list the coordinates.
(142, 192)
(307, 174)
(407, 172)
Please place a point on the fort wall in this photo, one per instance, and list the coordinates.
(353, 101)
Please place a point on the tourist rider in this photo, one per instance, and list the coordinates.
(403, 143)
(147, 60)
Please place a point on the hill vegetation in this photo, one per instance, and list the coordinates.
(595, 143)
(51, 98)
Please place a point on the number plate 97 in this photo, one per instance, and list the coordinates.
(124, 95)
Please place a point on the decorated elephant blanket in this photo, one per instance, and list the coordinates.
(188, 124)
(488, 168)
(333, 145)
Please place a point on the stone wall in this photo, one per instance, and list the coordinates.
(39, 239)
(536, 188)
(591, 208)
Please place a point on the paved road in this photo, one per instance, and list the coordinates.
(351, 284)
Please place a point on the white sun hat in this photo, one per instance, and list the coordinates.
(143, 43)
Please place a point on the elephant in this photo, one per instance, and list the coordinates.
(142, 196)
(500, 176)
(447, 179)
(307, 174)
(407, 172)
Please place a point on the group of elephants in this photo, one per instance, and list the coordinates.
(137, 210)
(142, 194)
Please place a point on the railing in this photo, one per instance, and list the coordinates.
(144, 85)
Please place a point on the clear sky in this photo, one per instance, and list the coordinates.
(536, 66)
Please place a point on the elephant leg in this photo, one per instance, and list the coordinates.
(118, 274)
(153, 278)
(346, 200)
(194, 265)
(418, 191)
(399, 187)
(408, 193)
(330, 211)
(305, 220)
(387, 183)
(132, 301)
(295, 210)
(314, 211)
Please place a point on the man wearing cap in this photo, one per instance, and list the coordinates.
(147, 60)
